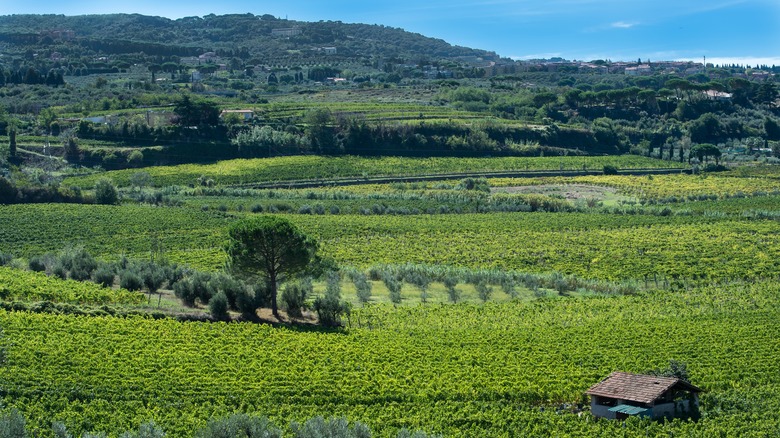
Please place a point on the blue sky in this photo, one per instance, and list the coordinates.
(742, 31)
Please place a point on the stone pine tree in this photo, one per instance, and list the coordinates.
(269, 249)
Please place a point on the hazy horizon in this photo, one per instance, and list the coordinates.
(725, 31)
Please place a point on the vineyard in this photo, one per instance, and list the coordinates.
(658, 268)
(598, 246)
(34, 286)
(466, 370)
(318, 167)
(665, 187)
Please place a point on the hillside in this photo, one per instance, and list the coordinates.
(244, 36)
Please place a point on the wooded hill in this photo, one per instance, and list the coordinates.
(237, 35)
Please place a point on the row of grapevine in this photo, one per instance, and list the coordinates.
(596, 246)
(461, 370)
(319, 167)
(19, 285)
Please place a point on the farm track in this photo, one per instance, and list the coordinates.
(352, 181)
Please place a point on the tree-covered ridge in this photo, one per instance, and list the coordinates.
(242, 35)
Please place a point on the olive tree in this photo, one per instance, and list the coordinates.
(269, 249)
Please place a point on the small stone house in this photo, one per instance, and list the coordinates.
(624, 394)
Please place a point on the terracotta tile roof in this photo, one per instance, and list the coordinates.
(638, 388)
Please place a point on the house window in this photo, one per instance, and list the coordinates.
(603, 401)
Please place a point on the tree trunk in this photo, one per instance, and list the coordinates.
(272, 286)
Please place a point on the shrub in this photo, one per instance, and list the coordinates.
(5, 258)
(394, 287)
(239, 425)
(294, 298)
(145, 430)
(135, 159)
(453, 293)
(478, 184)
(257, 208)
(363, 288)
(104, 275)
(184, 291)
(610, 170)
(106, 192)
(201, 287)
(229, 286)
(130, 280)
(60, 431)
(59, 271)
(153, 277)
(330, 307)
(509, 287)
(484, 291)
(218, 307)
(335, 427)
(81, 264)
(12, 424)
(250, 299)
(8, 191)
(37, 264)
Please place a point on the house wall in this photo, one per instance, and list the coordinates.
(598, 410)
(670, 410)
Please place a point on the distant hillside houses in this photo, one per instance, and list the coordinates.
(640, 70)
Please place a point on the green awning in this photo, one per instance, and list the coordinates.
(629, 410)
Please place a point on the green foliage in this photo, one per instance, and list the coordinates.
(675, 369)
(105, 192)
(131, 280)
(270, 249)
(393, 285)
(196, 112)
(294, 297)
(12, 143)
(414, 355)
(239, 425)
(330, 307)
(196, 286)
(36, 286)
(12, 424)
(484, 291)
(104, 275)
(317, 167)
(145, 430)
(477, 184)
(704, 150)
(332, 428)
(8, 191)
(610, 170)
(218, 307)
(266, 141)
(362, 285)
(72, 150)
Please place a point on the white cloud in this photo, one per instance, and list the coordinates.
(623, 25)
